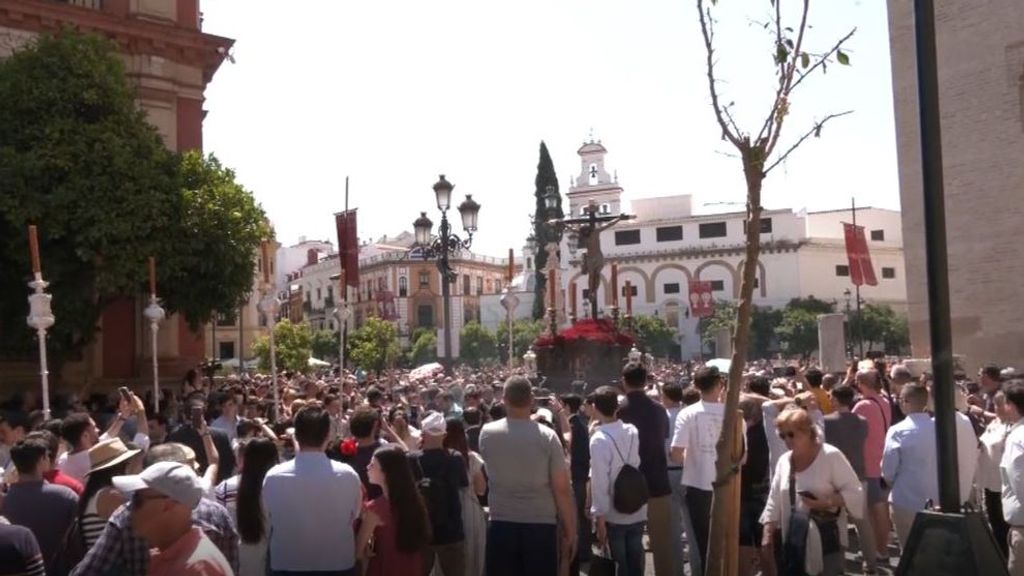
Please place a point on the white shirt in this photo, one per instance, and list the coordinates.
(829, 473)
(776, 446)
(698, 427)
(77, 465)
(311, 503)
(609, 445)
(673, 413)
(227, 426)
(966, 454)
(992, 443)
(1011, 470)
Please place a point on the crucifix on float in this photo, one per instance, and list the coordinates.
(589, 229)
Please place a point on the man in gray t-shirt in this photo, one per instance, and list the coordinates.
(530, 490)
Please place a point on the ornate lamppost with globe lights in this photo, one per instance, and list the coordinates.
(444, 245)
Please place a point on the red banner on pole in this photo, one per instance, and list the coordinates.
(348, 246)
(702, 299)
(859, 257)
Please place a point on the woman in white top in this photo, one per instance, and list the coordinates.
(993, 441)
(474, 519)
(815, 478)
(258, 456)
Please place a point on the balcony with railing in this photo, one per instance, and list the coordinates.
(93, 4)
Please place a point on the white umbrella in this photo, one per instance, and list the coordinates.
(313, 362)
(723, 364)
(426, 370)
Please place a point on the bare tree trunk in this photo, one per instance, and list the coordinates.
(723, 546)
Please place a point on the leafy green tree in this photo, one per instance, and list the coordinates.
(542, 233)
(293, 345)
(477, 344)
(216, 237)
(799, 331)
(654, 335)
(79, 159)
(374, 346)
(763, 324)
(325, 345)
(879, 324)
(812, 305)
(424, 348)
(524, 334)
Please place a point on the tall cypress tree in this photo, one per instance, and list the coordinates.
(542, 233)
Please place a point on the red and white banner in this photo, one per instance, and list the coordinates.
(861, 270)
(348, 246)
(702, 300)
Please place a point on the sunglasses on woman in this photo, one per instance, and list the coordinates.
(787, 435)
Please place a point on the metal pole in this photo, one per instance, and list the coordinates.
(940, 324)
(241, 340)
(41, 317)
(273, 371)
(511, 340)
(856, 287)
(269, 306)
(154, 313)
(446, 297)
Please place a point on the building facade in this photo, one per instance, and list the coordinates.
(234, 331)
(981, 91)
(396, 285)
(667, 246)
(170, 61)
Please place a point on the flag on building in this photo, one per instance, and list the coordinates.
(702, 300)
(857, 254)
(348, 246)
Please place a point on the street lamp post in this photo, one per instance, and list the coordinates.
(155, 314)
(509, 301)
(444, 245)
(848, 330)
(343, 313)
(269, 306)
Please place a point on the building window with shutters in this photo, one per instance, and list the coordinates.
(626, 237)
(878, 235)
(668, 233)
(717, 285)
(424, 279)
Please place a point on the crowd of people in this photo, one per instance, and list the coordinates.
(488, 472)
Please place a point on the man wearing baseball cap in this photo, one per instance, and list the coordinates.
(441, 473)
(162, 499)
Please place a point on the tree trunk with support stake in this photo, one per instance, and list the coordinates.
(759, 156)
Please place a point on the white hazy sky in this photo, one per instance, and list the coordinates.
(394, 92)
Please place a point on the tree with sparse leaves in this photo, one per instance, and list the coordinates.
(524, 334)
(760, 151)
(325, 345)
(880, 325)
(543, 234)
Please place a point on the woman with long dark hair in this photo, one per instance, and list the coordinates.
(474, 520)
(100, 499)
(258, 456)
(395, 529)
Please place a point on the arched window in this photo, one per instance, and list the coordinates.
(403, 287)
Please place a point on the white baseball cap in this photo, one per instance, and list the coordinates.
(172, 479)
(433, 424)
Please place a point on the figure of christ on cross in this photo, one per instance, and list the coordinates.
(589, 229)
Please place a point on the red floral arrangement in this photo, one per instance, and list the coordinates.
(348, 447)
(600, 331)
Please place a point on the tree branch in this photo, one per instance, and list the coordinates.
(705, 28)
(820, 62)
(769, 128)
(815, 131)
(785, 86)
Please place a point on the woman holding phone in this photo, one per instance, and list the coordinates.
(813, 483)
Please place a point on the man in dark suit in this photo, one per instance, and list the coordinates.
(187, 434)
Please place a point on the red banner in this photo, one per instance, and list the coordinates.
(702, 299)
(348, 246)
(858, 256)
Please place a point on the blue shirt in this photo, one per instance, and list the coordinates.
(909, 463)
(311, 503)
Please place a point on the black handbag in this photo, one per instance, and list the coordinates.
(601, 563)
(794, 544)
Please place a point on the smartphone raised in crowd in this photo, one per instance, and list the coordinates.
(125, 393)
(197, 417)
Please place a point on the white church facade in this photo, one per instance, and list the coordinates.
(667, 246)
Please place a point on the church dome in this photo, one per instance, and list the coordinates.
(591, 148)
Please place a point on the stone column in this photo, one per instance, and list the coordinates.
(832, 342)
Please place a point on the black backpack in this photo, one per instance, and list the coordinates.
(629, 491)
(436, 492)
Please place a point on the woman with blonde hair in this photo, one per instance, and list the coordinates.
(813, 483)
